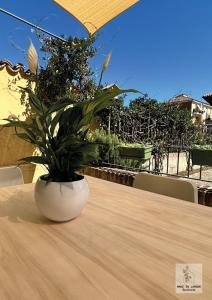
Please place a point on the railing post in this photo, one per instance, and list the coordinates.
(178, 160)
(167, 169)
(189, 158)
(200, 172)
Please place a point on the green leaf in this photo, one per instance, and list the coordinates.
(59, 105)
(34, 160)
(25, 137)
(19, 124)
(104, 98)
(55, 121)
(69, 142)
(36, 104)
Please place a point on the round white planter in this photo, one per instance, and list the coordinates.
(61, 201)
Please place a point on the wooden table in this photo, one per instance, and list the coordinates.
(125, 245)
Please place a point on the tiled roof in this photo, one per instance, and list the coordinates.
(181, 98)
(14, 69)
(208, 98)
(184, 98)
(207, 95)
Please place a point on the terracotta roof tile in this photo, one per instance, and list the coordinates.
(208, 98)
(14, 69)
(207, 95)
(181, 98)
(184, 98)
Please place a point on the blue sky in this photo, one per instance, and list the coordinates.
(162, 48)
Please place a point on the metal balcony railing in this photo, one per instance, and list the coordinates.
(172, 161)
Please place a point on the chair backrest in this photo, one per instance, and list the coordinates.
(10, 176)
(168, 186)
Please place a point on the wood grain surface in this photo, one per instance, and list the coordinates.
(125, 245)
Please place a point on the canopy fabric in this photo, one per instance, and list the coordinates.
(94, 14)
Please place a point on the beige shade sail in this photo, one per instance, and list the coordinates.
(94, 14)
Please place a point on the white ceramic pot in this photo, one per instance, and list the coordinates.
(61, 201)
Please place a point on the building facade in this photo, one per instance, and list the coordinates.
(201, 111)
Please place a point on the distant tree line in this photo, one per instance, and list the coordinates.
(148, 121)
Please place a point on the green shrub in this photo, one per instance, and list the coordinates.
(135, 145)
(203, 147)
(108, 144)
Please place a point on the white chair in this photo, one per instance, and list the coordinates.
(10, 176)
(167, 186)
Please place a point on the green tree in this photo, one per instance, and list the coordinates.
(66, 72)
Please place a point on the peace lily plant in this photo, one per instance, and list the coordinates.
(59, 133)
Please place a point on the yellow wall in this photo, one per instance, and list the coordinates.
(11, 147)
(9, 96)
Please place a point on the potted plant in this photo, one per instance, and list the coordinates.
(202, 155)
(136, 151)
(59, 133)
